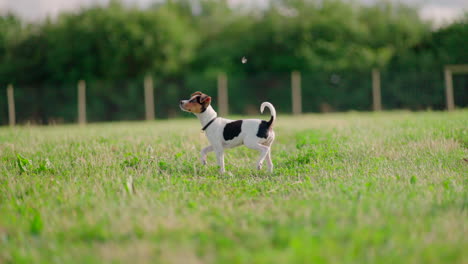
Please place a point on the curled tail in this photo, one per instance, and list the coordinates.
(272, 111)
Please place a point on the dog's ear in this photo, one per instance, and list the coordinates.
(196, 93)
(205, 99)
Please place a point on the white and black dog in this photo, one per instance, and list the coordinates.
(224, 133)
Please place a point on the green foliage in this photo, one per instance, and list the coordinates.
(36, 225)
(311, 35)
(184, 44)
(417, 72)
(118, 43)
(131, 160)
(23, 163)
(112, 48)
(11, 33)
(26, 165)
(111, 42)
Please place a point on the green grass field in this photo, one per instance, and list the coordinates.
(347, 188)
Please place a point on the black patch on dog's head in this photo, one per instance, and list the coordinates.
(204, 100)
(232, 130)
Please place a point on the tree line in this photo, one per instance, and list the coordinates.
(184, 45)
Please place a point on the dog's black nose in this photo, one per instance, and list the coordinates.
(181, 102)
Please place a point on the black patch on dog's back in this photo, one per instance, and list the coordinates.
(264, 129)
(232, 130)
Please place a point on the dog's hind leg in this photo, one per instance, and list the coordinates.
(264, 150)
(268, 156)
(268, 160)
(204, 152)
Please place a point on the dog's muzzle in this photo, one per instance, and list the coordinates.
(181, 105)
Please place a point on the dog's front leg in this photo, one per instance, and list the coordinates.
(220, 158)
(204, 152)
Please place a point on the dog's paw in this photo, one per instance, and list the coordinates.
(259, 166)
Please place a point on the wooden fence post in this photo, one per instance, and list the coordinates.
(223, 106)
(449, 89)
(449, 70)
(296, 93)
(11, 105)
(376, 92)
(82, 102)
(149, 97)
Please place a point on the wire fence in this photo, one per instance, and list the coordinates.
(319, 92)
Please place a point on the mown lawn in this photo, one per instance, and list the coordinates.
(347, 188)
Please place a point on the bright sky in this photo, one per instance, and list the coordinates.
(439, 11)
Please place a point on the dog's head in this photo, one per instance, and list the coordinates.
(197, 103)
